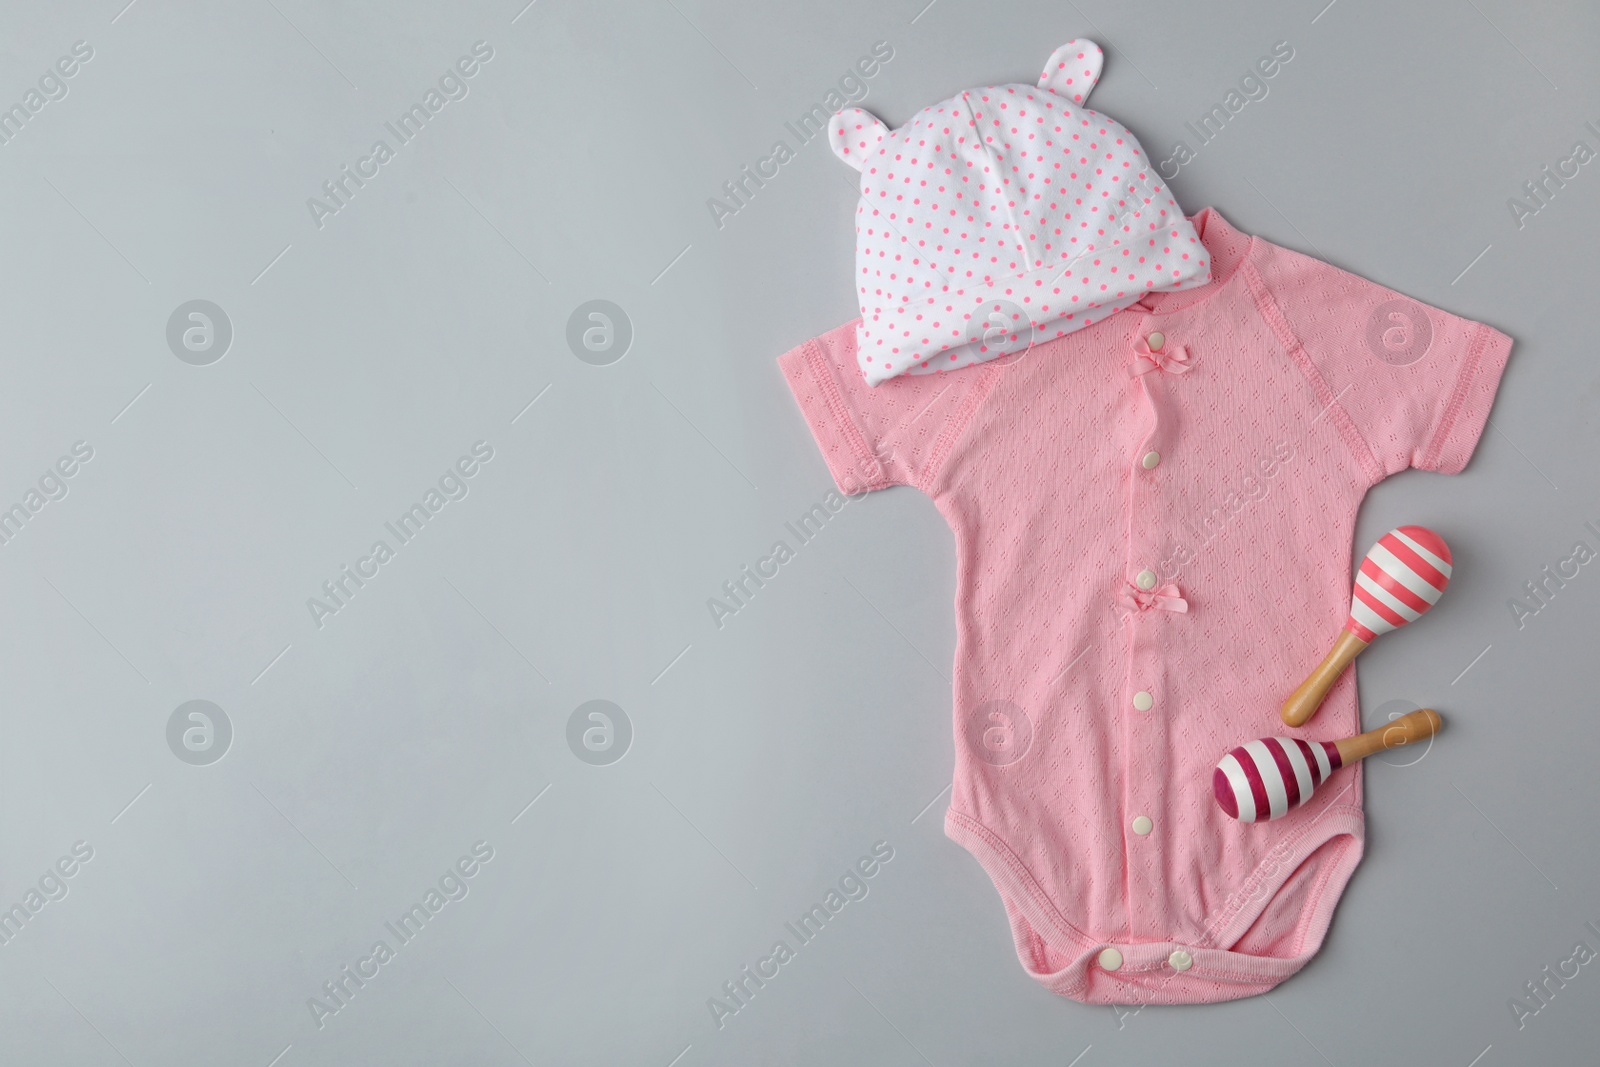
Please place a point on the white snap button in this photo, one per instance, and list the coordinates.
(1142, 825)
(1110, 959)
(1145, 579)
(1155, 341)
(1143, 701)
(1150, 460)
(1180, 960)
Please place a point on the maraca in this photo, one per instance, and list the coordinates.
(1402, 577)
(1266, 778)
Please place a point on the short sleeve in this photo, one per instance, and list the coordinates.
(897, 433)
(1413, 383)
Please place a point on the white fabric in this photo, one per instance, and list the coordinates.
(1003, 217)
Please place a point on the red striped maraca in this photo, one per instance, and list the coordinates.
(1401, 578)
(1266, 778)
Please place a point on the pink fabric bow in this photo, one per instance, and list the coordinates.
(1165, 597)
(1174, 359)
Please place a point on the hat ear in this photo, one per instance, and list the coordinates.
(1073, 70)
(852, 133)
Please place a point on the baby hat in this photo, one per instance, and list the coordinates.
(1003, 217)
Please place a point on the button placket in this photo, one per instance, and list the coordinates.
(1159, 360)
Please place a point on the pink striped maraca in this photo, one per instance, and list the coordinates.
(1266, 778)
(1402, 577)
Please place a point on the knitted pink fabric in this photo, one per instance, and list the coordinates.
(1154, 545)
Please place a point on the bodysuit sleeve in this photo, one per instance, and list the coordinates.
(1412, 383)
(895, 433)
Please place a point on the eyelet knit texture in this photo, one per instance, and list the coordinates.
(1301, 386)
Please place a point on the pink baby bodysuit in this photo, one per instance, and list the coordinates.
(1153, 520)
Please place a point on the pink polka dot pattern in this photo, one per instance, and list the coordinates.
(1133, 622)
(1003, 217)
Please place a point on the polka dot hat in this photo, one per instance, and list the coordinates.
(1003, 217)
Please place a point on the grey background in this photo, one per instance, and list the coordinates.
(432, 711)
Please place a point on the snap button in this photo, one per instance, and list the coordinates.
(1155, 341)
(1143, 701)
(1142, 825)
(1150, 460)
(1145, 579)
(1180, 960)
(1110, 959)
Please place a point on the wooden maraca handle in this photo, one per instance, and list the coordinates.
(1304, 702)
(1416, 726)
